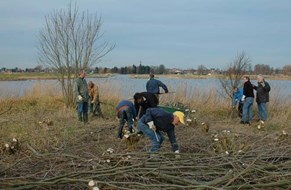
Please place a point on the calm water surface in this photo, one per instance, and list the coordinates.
(125, 86)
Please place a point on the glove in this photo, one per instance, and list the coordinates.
(120, 132)
(177, 156)
(243, 98)
(80, 97)
(92, 102)
(151, 125)
(166, 91)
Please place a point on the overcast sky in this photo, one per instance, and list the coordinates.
(177, 33)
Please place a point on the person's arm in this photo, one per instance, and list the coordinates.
(97, 94)
(77, 91)
(94, 94)
(234, 99)
(266, 87)
(173, 140)
(163, 86)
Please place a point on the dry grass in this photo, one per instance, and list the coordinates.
(58, 152)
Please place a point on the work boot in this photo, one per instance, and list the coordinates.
(85, 118)
(80, 117)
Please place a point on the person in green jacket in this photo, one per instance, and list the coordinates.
(82, 94)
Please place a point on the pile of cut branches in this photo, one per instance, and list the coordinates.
(213, 162)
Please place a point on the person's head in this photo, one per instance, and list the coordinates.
(245, 79)
(82, 73)
(90, 84)
(152, 75)
(234, 89)
(138, 98)
(178, 118)
(260, 78)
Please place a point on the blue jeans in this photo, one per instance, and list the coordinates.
(248, 110)
(157, 138)
(262, 108)
(82, 108)
(125, 116)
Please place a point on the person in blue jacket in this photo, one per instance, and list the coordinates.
(153, 85)
(126, 112)
(156, 120)
(237, 99)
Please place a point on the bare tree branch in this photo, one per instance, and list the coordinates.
(236, 69)
(70, 41)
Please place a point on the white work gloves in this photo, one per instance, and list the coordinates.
(177, 155)
(243, 98)
(80, 97)
(151, 125)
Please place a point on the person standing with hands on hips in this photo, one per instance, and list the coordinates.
(262, 97)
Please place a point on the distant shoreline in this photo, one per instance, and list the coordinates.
(47, 76)
(39, 76)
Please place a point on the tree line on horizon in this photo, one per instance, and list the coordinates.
(161, 69)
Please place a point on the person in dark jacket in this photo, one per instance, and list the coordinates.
(262, 97)
(126, 112)
(143, 101)
(248, 99)
(82, 94)
(153, 85)
(156, 120)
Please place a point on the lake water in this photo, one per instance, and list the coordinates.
(125, 86)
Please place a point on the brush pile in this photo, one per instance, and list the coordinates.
(217, 160)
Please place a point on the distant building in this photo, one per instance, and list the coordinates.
(176, 71)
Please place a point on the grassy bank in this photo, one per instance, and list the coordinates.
(38, 76)
(55, 151)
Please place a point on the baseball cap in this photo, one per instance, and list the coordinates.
(180, 115)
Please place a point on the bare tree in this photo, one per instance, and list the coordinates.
(201, 70)
(287, 70)
(235, 71)
(70, 41)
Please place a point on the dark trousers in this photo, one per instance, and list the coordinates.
(240, 109)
